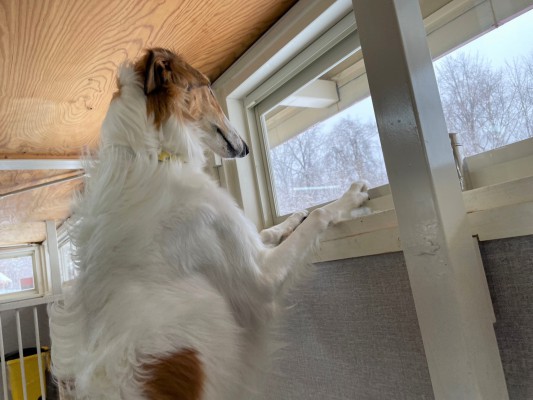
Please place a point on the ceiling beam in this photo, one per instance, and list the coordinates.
(40, 163)
(39, 185)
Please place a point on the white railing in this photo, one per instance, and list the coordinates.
(17, 307)
(3, 356)
(49, 283)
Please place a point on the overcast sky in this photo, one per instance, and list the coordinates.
(509, 40)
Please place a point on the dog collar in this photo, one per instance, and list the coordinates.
(166, 156)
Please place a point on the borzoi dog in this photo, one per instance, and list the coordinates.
(176, 288)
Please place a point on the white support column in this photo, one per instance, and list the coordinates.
(447, 280)
(53, 257)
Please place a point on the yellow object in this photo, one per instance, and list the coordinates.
(31, 368)
(166, 156)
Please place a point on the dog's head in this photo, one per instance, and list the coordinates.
(179, 95)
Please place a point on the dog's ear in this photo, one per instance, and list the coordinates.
(158, 72)
(195, 77)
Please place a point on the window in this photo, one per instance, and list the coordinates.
(67, 266)
(65, 247)
(320, 135)
(319, 129)
(486, 87)
(68, 269)
(19, 272)
(318, 164)
(26, 272)
(261, 94)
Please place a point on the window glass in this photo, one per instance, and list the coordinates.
(486, 87)
(319, 164)
(320, 141)
(68, 268)
(322, 138)
(17, 274)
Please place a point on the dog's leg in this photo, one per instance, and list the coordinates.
(298, 247)
(278, 233)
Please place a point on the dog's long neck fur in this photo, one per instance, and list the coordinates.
(126, 179)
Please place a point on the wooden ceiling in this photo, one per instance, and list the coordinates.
(58, 60)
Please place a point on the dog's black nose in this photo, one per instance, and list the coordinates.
(245, 150)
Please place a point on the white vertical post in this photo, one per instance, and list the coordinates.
(3, 357)
(53, 257)
(39, 360)
(21, 356)
(447, 280)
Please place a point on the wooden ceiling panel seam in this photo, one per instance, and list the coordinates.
(40, 184)
(11, 181)
(45, 203)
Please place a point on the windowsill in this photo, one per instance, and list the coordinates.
(496, 211)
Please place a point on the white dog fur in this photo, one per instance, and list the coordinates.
(167, 261)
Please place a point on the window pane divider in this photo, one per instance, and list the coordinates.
(53, 257)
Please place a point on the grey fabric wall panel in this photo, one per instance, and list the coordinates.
(352, 333)
(509, 268)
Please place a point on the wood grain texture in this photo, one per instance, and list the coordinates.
(50, 202)
(29, 232)
(58, 58)
(58, 63)
(22, 215)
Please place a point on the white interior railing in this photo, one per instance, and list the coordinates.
(17, 307)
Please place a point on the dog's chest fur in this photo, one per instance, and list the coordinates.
(167, 277)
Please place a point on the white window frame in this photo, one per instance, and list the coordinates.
(345, 42)
(46, 276)
(252, 77)
(35, 252)
(279, 64)
(63, 239)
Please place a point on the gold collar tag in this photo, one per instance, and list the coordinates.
(166, 156)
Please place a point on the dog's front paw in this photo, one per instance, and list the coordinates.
(356, 196)
(293, 222)
(298, 217)
(278, 233)
(346, 207)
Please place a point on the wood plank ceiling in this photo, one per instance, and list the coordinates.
(57, 66)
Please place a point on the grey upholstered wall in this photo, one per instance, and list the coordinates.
(352, 332)
(509, 268)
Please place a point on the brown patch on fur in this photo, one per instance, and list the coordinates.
(171, 85)
(178, 376)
